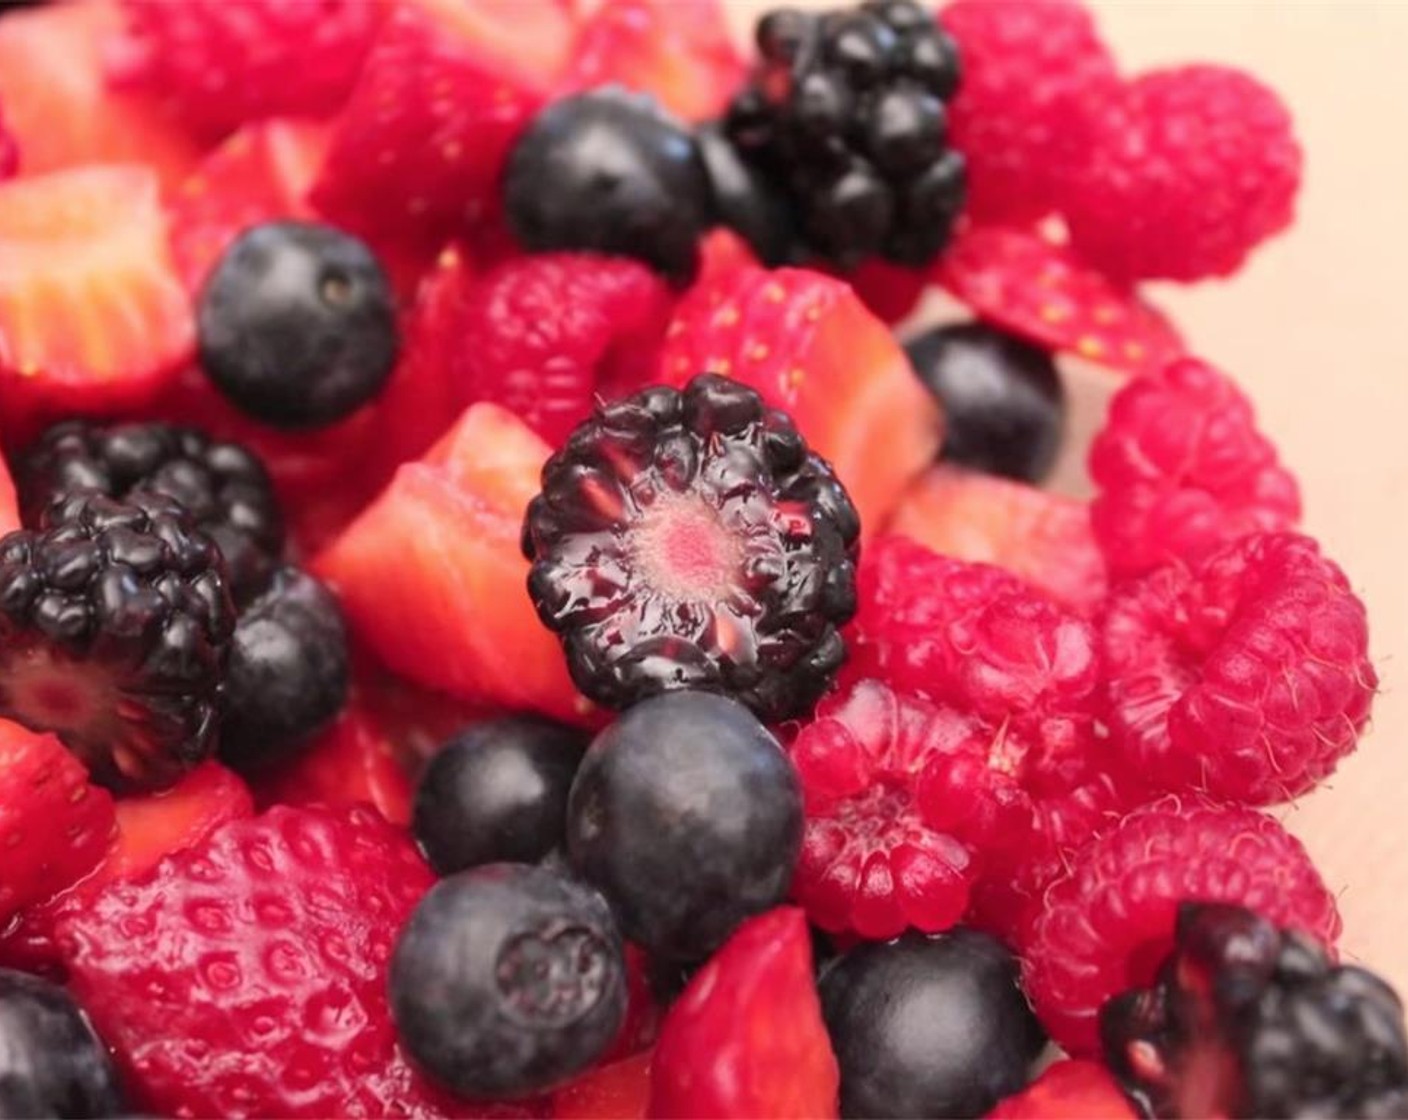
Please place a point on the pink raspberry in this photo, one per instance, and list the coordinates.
(1108, 923)
(1182, 468)
(1189, 169)
(1033, 70)
(1247, 677)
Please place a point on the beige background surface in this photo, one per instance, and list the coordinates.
(1317, 330)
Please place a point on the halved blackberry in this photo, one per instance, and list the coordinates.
(115, 625)
(846, 112)
(1249, 1020)
(689, 539)
(222, 485)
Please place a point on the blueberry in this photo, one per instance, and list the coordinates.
(609, 170)
(51, 1062)
(1002, 397)
(928, 1026)
(687, 815)
(297, 325)
(287, 675)
(497, 792)
(507, 980)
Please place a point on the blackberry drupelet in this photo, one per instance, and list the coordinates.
(115, 625)
(689, 539)
(846, 112)
(222, 485)
(1248, 1020)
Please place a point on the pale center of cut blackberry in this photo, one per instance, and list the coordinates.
(48, 693)
(684, 551)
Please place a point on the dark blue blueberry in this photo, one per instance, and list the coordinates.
(51, 1062)
(609, 170)
(288, 672)
(497, 793)
(508, 980)
(928, 1026)
(1003, 402)
(687, 815)
(297, 324)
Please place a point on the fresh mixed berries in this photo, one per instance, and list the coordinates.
(511, 604)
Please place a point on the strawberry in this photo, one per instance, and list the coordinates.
(1029, 285)
(432, 578)
(93, 317)
(746, 1038)
(262, 172)
(809, 346)
(247, 975)
(148, 828)
(616, 1091)
(54, 826)
(9, 503)
(1043, 537)
(552, 331)
(58, 105)
(220, 65)
(9, 149)
(1068, 1090)
(447, 88)
(891, 291)
(679, 50)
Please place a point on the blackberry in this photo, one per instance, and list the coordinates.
(222, 485)
(846, 112)
(1248, 1020)
(115, 626)
(689, 539)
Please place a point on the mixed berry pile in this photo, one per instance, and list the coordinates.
(503, 614)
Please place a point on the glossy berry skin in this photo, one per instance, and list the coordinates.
(496, 792)
(51, 1062)
(748, 201)
(297, 324)
(609, 170)
(1004, 408)
(929, 1026)
(288, 674)
(115, 623)
(1249, 1020)
(687, 815)
(223, 486)
(507, 980)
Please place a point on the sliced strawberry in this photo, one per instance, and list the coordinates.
(148, 829)
(415, 720)
(57, 102)
(9, 148)
(433, 580)
(616, 1091)
(1035, 288)
(262, 172)
(721, 252)
(447, 88)
(1068, 1090)
(1044, 538)
(891, 291)
(679, 50)
(746, 1038)
(807, 343)
(9, 503)
(93, 317)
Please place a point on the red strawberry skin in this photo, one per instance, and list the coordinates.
(54, 826)
(247, 976)
(746, 1038)
(1068, 1090)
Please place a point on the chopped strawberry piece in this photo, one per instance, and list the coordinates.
(1068, 1090)
(890, 291)
(57, 103)
(1035, 288)
(9, 149)
(93, 317)
(9, 503)
(617, 1091)
(1043, 537)
(433, 580)
(679, 50)
(262, 172)
(746, 1038)
(808, 345)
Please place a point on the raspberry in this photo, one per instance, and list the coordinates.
(1181, 468)
(1247, 677)
(1188, 170)
(220, 65)
(691, 539)
(1109, 922)
(1033, 71)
